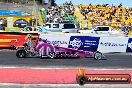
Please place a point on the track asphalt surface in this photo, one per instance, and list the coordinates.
(114, 61)
(48, 71)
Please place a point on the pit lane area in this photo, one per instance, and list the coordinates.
(114, 61)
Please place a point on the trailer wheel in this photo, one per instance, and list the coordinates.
(97, 55)
(81, 80)
(21, 53)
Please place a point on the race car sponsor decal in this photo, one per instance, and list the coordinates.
(76, 43)
(86, 43)
(129, 46)
(56, 42)
(112, 44)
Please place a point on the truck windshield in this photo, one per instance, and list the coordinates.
(102, 29)
(48, 26)
(55, 25)
(69, 26)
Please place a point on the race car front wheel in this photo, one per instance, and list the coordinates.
(21, 53)
(97, 55)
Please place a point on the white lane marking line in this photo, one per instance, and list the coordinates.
(68, 85)
(74, 68)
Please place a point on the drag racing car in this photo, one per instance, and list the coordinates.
(43, 49)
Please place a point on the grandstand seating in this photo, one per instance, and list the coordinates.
(97, 15)
(116, 20)
(70, 18)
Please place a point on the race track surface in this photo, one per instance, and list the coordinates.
(114, 61)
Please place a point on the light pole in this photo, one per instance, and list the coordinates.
(35, 11)
(7, 3)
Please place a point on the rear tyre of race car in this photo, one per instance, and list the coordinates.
(81, 80)
(97, 55)
(21, 53)
(41, 57)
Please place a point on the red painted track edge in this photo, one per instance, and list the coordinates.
(48, 76)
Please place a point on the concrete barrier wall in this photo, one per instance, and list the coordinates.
(91, 43)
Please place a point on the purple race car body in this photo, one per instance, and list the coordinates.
(44, 49)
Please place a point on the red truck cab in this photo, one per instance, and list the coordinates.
(11, 40)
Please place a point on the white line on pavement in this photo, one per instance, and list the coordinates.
(65, 85)
(65, 68)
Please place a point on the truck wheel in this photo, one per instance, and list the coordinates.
(97, 55)
(81, 80)
(21, 53)
(12, 47)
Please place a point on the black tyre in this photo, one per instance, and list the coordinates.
(97, 55)
(25, 44)
(41, 57)
(81, 80)
(12, 47)
(21, 53)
